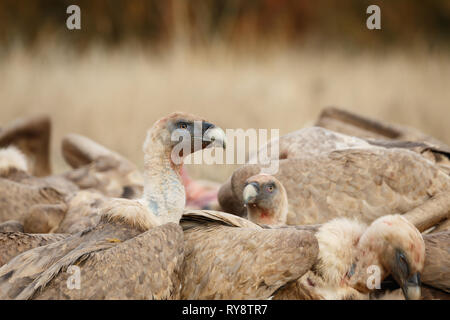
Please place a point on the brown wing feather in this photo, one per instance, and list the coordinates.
(356, 125)
(436, 272)
(144, 267)
(14, 243)
(223, 262)
(16, 199)
(429, 293)
(11, 226)
(83, 211)
(33, 269)
(192, 218)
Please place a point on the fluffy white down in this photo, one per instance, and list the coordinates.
(11, 157)
(333, 236)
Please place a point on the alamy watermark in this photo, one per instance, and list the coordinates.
(74, 280)
(239, 144)
(74, 20)
(374, 20)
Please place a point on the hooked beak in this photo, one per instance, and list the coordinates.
(216, 136)
(411, 287)
(250, 193)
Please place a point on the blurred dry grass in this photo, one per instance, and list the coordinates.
(113, 97)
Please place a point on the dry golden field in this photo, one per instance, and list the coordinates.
(113, 97)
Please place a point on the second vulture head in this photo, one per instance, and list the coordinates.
(266, 200)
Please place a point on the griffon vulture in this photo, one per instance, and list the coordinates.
(136, 250)
(355, 183)
(266, 203)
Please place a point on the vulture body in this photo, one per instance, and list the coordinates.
(355, 183)
(227, 257)
(145, 265)
(14, 243)
(41, 203)
(136, 250)
(351, 252)
(384, 134)
(11, 226)
(265, 198)
(356, 125)
(437, 262)
(24, 203)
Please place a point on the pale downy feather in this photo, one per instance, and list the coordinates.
(339, 233)
(12, 158)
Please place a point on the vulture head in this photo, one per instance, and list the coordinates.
(182, 134)
(401, 250)
(265, 199)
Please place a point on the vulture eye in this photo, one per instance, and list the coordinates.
(182, 125)
(270, 188)
(403, 263)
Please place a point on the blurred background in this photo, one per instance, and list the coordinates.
(238, 63)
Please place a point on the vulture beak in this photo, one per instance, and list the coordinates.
(411, 287)
(250, 193)
(216, 136)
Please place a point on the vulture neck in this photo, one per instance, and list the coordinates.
(164, 192)
(274, 216)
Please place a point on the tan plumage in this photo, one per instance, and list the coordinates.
(14, 243)
(437, 261)
(32, 137)
(227, 257)
(360, 183)
(11, 226)
(315, 142)
(143, 267)
(83, 211)
(311, 142)
(41, 203)
(130, 263)
(386, 134)
(306, 143)
(356, 125)
(96, 167)
(136, 248)
(18, 201)
(429, 293)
